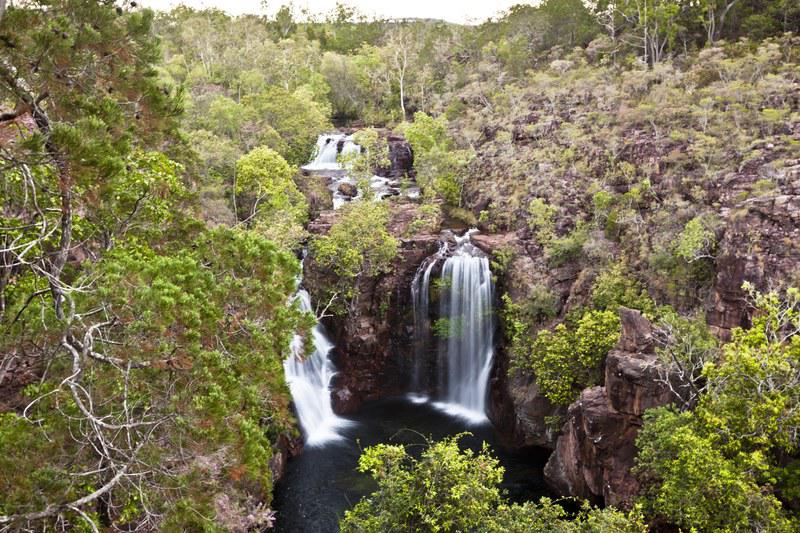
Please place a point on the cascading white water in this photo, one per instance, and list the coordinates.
(326, 153)
(326, 160)
(465, 355)
(309, 382)
(420, 300)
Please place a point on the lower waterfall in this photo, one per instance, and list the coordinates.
(464, 326)
(309, 382)
(465, 352)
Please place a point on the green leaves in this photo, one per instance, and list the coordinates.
(689, 481)
(269, 197)
(357, 245)
(568, 358)
(451, 489)
(440, 168)
(446, 489)
(697, 240)
(717, 467)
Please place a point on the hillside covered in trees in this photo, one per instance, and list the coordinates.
(632, 169)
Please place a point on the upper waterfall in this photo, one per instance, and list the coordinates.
(328, 149)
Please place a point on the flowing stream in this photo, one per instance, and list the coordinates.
(330, 148)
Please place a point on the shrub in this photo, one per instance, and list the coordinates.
(569, 357)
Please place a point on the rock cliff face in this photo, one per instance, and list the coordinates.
(372, 342)
(596, 451)
(761, 239)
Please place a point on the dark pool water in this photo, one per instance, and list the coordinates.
(322, 483)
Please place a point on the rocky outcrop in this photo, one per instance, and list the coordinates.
(401, 158)
(372, 341)
(760, 242)
(596, 451)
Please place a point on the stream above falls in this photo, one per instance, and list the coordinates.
(320, 484)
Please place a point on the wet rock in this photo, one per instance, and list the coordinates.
(286, 448)
(348, 189)
(401, 158)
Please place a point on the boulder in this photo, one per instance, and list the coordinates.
(348, 189)
(401, 158)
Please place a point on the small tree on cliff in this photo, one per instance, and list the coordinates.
(719, 467)
(269, 198)
(357, 246)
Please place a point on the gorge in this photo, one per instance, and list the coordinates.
(442, 389)
(343, 272)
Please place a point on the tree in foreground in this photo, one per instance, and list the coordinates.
(729, 464)
(146, 349)
(455, 490)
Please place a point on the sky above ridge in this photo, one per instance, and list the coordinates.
(460, 11)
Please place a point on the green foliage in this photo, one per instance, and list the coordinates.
(358, 245)
(562, 250)
(753, 398)
(541, 220)
(685, 345)
(373, 156)
(269, 197)
(688, 481)
(715, 468)
(615, 286)
(449, 489)
(205, 331)
(295, 117)
(697, 240)
(568, 358)
(444, 490)
(428, 219)
(440, 168)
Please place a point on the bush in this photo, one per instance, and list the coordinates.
(450, 489)
(568, 358)
(358, 245)
(616, 286)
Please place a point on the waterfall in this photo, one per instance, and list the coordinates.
(420, 300)
(465, 352)
(326, 153)
(309, 380)
(329, 148)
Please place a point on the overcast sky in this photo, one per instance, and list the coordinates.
(453, 10)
